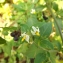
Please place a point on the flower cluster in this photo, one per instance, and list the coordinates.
(34, 31)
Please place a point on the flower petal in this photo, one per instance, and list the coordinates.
(27, 38)
(33, 32)
(34, 28)
(23, 34)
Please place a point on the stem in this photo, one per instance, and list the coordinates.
(40, 47)
(54, 17)
(28, 60)
(45, 49)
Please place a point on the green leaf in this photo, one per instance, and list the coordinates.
(9, 28)
(7, 48)
(46, 29)
(55, 6)
(35, 1)
(31, 52)
(24, 27)
(46, 44)
(60, 12)
(41, 57)
(53, 57)
(23, 48)
(57, 45)
(39, 8)
(32, 21)
(5, 32)
(20, 7)
(12, 59)
(60, 24)
(39, 24)
(2, 41)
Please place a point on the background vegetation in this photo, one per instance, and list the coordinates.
(31, 31)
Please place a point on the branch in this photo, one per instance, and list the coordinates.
(54, 17)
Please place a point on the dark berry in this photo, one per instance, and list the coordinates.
(16, 38)
(16, 35)
(44, 17)
(13, 34)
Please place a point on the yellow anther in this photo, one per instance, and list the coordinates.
(37, 33)
(23, 38)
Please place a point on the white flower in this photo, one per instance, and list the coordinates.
(35, 31)
(25, 37)
(32, 11)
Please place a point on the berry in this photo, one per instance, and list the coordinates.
(13, 34)
(16, 34)
(16, 38)
(44, 17)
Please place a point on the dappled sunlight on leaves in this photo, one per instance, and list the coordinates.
(31, 31)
